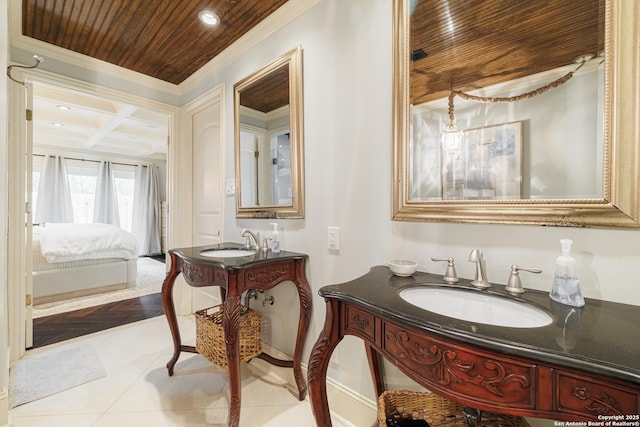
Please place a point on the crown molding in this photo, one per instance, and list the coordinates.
(49, 51)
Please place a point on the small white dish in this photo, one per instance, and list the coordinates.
(403, 268)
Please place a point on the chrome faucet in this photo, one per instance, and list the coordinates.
(514, 284)
(450, 275)
(251, 237)
(480, 281)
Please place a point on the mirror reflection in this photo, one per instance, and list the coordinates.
(265, 153)
(515, 113)
(269, 140)
(506, 103)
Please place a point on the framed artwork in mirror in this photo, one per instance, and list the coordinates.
(488, 165)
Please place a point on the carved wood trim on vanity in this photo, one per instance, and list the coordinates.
(579, 394)
(484, 379)
(267, 276)
(198, 275)
(460, 370)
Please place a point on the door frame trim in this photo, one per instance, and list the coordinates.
(16, 271)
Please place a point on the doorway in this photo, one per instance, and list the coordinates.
(88, 126)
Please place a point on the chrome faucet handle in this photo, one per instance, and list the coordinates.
(450, 275)
(480, 280)
(251, 237)
(514, 284)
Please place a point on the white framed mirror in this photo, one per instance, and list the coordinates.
(269, 146)
(566, 155)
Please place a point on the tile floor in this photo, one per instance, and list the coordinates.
(138, 392)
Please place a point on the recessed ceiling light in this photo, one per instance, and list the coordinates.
(63, 107)
(58, 125)
(208, 18)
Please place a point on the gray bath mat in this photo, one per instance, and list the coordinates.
(33, 378)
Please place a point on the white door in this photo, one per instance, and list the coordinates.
(203, 120)
(28, 220)
(20, 228)
(207, 176)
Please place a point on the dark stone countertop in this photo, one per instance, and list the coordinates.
(193, 256)
(601, 337)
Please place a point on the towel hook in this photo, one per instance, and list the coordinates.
(38, 59)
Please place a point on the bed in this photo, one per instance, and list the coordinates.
(72, 260)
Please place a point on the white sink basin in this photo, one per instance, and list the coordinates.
(227, 253)
(476, 306)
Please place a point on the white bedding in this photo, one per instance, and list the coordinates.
(72, 242)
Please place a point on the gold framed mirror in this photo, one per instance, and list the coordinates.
(269, 146)
(426, 188)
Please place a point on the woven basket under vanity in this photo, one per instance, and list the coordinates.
(436, 410)
(210, 335)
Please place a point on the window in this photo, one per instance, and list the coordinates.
(83, 177)
(125, 177)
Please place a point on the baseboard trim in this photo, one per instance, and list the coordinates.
(4, 409)
(347, 406)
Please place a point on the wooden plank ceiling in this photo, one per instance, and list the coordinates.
(159, 38)
(268, 94)
(471, 44)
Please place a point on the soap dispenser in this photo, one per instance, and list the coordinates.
(275, 238)
(566, 286)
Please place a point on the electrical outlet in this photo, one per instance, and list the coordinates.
(333, 236)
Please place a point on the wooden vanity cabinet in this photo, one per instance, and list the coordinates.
(577, 395)
(234, 276)
(488, 380)
(582, 367)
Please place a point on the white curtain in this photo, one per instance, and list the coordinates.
(105, 207)
(54, 197)
(146, 210)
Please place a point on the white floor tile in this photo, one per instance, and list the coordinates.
(194, 418)
(54, 421)
(138, 391)
(195, 384)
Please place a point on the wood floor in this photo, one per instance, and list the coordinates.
(60, 327)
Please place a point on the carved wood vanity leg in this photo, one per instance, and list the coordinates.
(304, 293)
(231, 324)
(375, 368)
(170, 311)
(319, 362)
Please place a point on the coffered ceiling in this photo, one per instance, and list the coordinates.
(70, 121)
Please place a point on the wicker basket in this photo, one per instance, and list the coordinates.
(436, 410)
(210, 336)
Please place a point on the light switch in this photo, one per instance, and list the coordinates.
(230, 187)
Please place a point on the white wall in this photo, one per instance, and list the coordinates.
(347, 123)
(4, 328)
